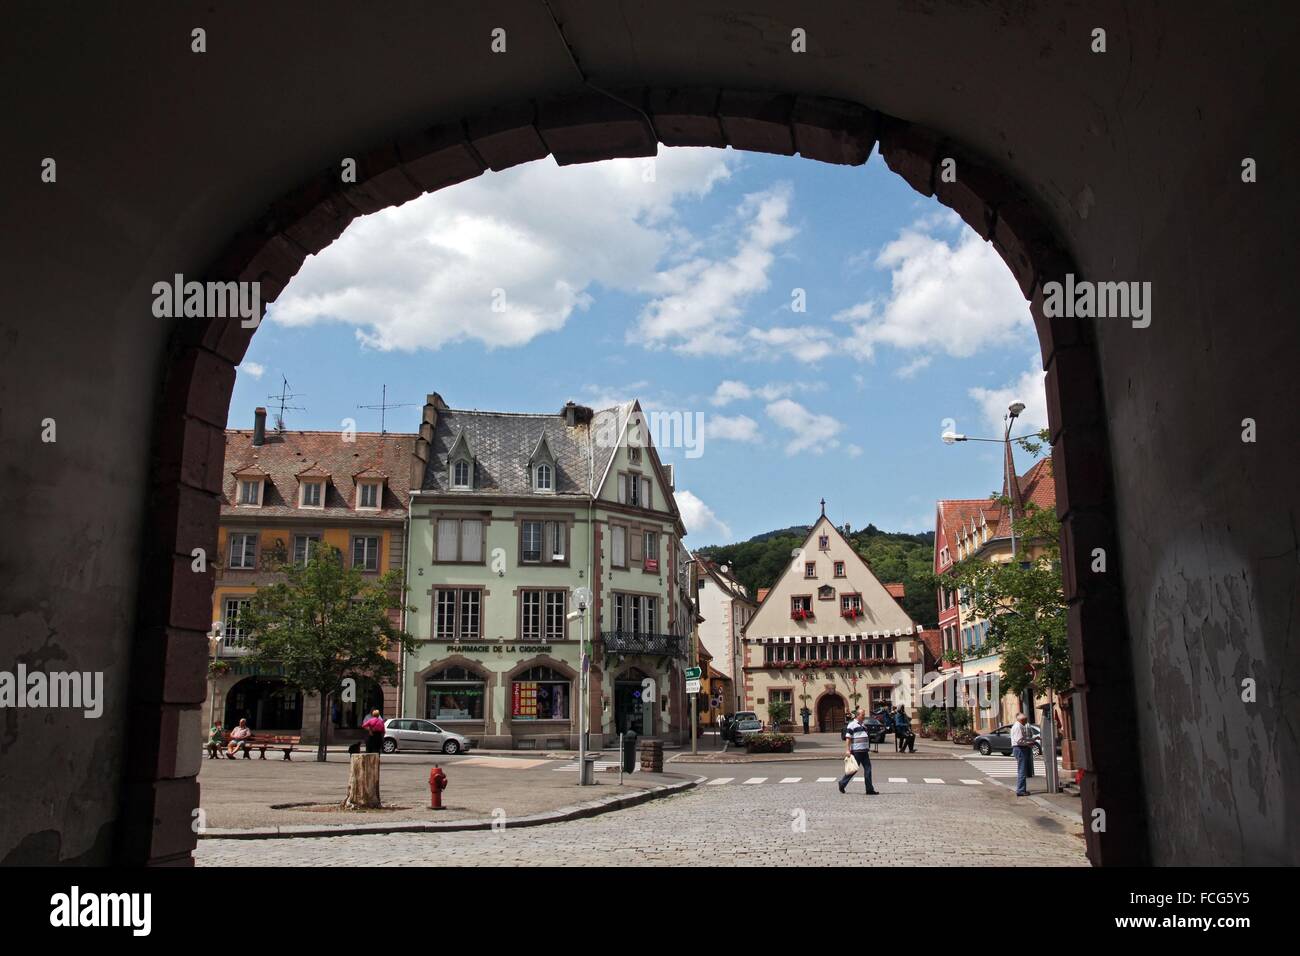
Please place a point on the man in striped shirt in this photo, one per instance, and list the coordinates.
(857, 743)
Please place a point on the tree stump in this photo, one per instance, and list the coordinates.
(363, 783)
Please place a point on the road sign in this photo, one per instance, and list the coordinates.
(692, 687)
(694, 673)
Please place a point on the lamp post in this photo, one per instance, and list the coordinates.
(582, 597)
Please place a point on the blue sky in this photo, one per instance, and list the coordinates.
(673, 280)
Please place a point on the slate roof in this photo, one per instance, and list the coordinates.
(503, 442)
(285, 455)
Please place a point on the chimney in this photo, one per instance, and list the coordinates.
(570, 414)
(259, 426)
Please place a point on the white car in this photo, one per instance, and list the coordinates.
(409, 733)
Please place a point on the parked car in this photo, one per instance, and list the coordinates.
(877, 730)
(744, 729)
(405, 733)
(999, 739)
(744, 715)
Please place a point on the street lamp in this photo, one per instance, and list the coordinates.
(214, 643)
(582, 597)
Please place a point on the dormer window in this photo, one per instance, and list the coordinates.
(368, 495)
(634, 455)
(250, 492)
(460, 472)
(543, 478)
(312, 494)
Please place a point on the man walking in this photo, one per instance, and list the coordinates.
(857, 743)
(1022, 745)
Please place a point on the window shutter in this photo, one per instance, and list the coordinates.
(622, 489)
(619, 558)
(636, 547)
(645, 493)
(447, 531)
(471, 541)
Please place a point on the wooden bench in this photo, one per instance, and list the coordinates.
(260, 742)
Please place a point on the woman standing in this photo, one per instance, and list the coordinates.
(374, 725)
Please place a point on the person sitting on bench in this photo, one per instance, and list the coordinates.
(240, 737)
(216, 739)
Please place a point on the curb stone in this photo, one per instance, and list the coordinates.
(578, 811)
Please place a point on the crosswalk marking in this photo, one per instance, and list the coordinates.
(974, 783)
(898, 780)
(597, 765)
(827, 779)
(791, 779)
(932, 780)
(717, 780)
(756, 779)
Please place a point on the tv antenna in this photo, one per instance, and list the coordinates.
(283, 398)
(383, 407)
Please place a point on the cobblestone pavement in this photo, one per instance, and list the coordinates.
(804, 823)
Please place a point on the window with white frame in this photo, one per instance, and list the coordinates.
(651, 545)
(232, 634)
(530, 542)
(312, 494)
(850, 602)
(368, 494)
(457, 613)
(243, 551)
(544, 478)
(810, 569)
(635, 613)
(460, 473)
(250, 491)
(839, 569)
(541, 615)
(304, 546)
(459, 541)
(365, 552)
(558, 533)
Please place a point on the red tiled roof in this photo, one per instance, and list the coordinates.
(896, 590)
(285, 456)
(762, 594)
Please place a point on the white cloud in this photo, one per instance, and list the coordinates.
(911, 368)
(423, 275)
(809, 430)
(1028, 388)
(699, 517)
(855, 451)
(731, 390)
(252, 369)
(731, 428)
(700, 301)
(946, 297)
(807, 343)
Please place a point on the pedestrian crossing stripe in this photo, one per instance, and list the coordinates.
(756, 780)
(827, 779)
(974, 783)
(717, 780)
(791, 779)
(932, 780)
(898, 780)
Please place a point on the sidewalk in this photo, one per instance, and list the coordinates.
(277, 797)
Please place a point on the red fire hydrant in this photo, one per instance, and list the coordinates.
(437, 784)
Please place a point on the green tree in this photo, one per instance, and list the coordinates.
(1024, 603)
(778, 711)
(323, 624)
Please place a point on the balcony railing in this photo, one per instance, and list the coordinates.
(633, 642)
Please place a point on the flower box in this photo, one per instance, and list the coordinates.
(770, 743)
(801, 615)
(852, 613)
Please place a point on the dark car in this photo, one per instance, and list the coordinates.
(999, 739)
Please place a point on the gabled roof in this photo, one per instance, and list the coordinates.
(503, 444)
(286, 456)
(460, 447)
(542, 450)
(725, 580)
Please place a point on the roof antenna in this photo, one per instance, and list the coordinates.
(383, 407)
(283, 398)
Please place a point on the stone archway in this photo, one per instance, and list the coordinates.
(588, 127)
(830, 710)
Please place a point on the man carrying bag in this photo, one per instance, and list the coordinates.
(857, 752)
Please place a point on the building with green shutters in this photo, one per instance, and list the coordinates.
(514, 514)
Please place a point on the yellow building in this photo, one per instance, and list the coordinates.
(985, 534)
(286, 493)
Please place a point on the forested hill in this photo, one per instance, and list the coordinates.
(909, 558)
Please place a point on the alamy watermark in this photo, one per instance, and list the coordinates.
(1101, 300)
(662, 429)
(208, 300)
(78, 690)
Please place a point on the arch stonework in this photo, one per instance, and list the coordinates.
(588, 127)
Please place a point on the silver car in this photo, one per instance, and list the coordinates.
(408, 733)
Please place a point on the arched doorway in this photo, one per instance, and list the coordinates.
(267, 703)
(585, 128)
(831, 710)
(348, 715)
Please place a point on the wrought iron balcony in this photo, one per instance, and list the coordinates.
(632, 642)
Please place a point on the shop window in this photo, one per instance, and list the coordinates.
(454, 693)
(540, 693)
